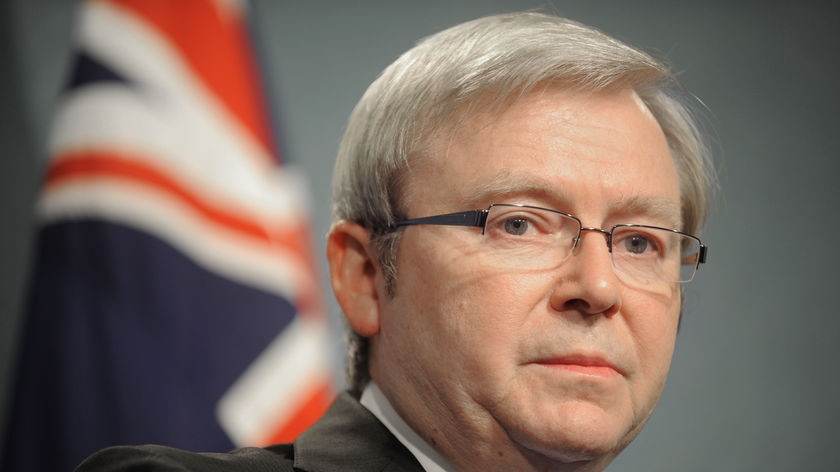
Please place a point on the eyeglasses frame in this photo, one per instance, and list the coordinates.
(478, 218)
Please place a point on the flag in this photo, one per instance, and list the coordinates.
(174, 297)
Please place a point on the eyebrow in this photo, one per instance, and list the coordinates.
(504, 184)
(661, 209)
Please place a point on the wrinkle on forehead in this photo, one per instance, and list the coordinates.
(506, 185)
(556, 136)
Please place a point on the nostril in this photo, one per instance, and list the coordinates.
(580, 305)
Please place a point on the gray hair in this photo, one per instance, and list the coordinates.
(493, 60)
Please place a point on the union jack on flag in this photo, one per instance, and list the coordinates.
(174, 297)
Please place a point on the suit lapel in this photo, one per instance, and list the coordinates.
(349, 438)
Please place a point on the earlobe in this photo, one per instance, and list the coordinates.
(353, 272)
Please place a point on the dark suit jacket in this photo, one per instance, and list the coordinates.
(347, 438)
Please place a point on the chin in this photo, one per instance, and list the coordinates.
(579, 440)
(580, 450)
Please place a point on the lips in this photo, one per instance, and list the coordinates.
(594, 365)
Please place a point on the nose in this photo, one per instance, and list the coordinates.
(607, 235)
(588, 283)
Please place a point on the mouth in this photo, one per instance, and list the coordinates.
(595, 366)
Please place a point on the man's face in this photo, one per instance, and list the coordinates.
(564, 364)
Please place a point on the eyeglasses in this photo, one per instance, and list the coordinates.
(523, 237)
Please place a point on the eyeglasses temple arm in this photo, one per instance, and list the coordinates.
(696, 259)
(463, 218)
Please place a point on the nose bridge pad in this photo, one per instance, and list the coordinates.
(607, 238)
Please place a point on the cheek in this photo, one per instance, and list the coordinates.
(653, 324)
(495, 318)
(471, 312)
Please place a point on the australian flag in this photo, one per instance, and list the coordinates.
(174, 297)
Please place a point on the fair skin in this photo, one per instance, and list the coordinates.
(523, 370)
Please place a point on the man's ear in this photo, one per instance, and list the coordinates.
(353, 272)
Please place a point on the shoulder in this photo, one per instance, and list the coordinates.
(347, 438)
(168, 459)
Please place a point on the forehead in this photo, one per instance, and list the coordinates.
(574, 150)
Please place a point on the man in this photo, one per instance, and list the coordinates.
(514, 205)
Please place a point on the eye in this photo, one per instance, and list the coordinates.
(516, 226)
(646, 242)
(637, 244)
(519, 224)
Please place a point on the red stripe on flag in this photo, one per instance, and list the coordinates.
(103, 164)
(217, 48)
(318, 400)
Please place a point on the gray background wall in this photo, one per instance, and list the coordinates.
(755, 383)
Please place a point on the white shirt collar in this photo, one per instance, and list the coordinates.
(374, 400)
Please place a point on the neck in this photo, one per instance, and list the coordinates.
(505, 454)
(471, 446)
